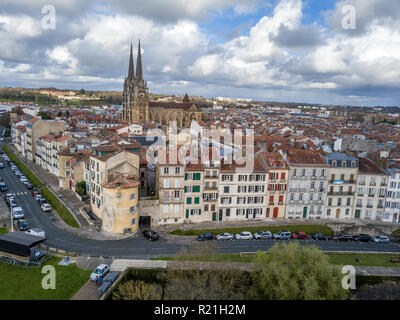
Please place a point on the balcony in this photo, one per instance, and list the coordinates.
(344, 193)
(372, 184)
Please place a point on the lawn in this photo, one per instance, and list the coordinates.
(24, 283)
(3, 231)
(62, 211)
(24, 169)
(309, 229)
(370, 260)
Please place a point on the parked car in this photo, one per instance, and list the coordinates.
(319, 236)
(38, 197)
(3, 187)
(205, 236)
(18, 173)
(381, 239)
(1, 165)
(224, 236)
(35, 193)
(42, 201)
(343, 237)
(36, 232)
(22, 225)
(45, 207)
(282, 235)
(244, 235)
(28, 185)
(300, 236)
(261, 235)
(151, 235)
(17, 213)
(100, 271)
(362, 238)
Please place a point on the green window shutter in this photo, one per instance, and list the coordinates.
(185, 189)
(200, 212)
(189, 201)
(197, 176)
(191, 212)
(196, 188)
(187, 213)
(196, 200)
(186, 176)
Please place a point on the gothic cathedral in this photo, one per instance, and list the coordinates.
(137, 108)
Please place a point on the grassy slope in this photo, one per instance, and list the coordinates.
(62, 211)
(309, 229)
(372, 260)
(3, 231)
(19, 283)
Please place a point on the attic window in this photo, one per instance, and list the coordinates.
(118, 184)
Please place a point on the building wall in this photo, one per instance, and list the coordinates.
(120, 210)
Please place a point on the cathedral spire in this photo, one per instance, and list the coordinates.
(139, 69)
(131, 72)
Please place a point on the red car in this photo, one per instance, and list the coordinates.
(300, 235)
(35, 193)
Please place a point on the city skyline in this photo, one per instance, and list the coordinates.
(286, 50)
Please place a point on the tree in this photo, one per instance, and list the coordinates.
(289, 272)
(138, 290)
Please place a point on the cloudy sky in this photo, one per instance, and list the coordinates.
(275, 50)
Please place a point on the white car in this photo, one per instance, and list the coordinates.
(100, 271)
(261, 235)
(245, 235)
(17, 213)
(224, 236)
(381, 239)
(36, 232)
(45, 207)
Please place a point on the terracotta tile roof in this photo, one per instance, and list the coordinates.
(366, 166)
(117, 180)
(305, 157)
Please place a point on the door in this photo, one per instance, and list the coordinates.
(305, 212)
(220, 215)
(214, 216)
(394, 217)
(357, 215)
(337, 213)
(275, 215)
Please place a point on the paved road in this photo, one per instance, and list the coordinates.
(138, 247)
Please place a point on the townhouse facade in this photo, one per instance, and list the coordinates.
(278, 175)
(342, 186)
(170, 182)
(372, 186)
(392, 205)
(211, 166)
(36, 128)
(193, 191)
(307, 185)
(242, 193)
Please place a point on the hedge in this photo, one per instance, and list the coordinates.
(62, 211)
(309, 229)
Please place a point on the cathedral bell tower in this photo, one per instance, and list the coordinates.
(135, 99)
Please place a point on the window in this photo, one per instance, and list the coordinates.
(196, 176)
(188, 200)
(177, 183)
(166, 170)
(165, 209)
(177, 194)
(226, 189)
(133, 222)
(132, 209)
(133, 196)
(177, 170)
(196, 200)
(196, 189)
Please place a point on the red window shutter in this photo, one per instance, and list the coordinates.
(285, 187)
(269, 187)
(283, 175)
(271, 199)
(270, 176)
(280, 198)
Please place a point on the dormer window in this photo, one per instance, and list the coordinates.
(334, 163)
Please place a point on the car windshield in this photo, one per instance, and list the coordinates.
(97, 271)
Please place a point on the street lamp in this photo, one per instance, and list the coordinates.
(12, 224)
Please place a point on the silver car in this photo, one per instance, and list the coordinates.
(261, 235)
(381, 239)
(224, 236)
